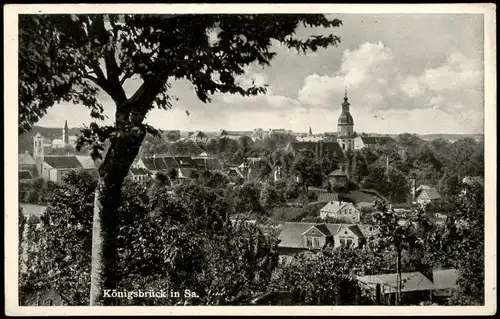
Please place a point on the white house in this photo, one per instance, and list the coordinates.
(341, 210)
(427, 195)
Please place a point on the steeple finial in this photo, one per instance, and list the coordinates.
(345, 96)
(66, 125)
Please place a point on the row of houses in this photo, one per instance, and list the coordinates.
(186, 167)
(311, 238)
(52, 167)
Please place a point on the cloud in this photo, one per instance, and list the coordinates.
(368, 73)
(268, 101)
(376, 84)
(395, 83)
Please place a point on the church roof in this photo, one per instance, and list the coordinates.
(346, 118)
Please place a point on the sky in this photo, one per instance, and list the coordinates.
(410, 73)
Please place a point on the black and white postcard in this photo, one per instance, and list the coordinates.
(247, 158)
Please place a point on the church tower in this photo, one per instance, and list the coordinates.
(345, 127)
(65, 136)
(38, 152)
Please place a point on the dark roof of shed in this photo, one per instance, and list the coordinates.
(413, 281)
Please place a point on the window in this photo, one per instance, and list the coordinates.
(349, 242)
(316, 242)
(342, 242)
(343, 146)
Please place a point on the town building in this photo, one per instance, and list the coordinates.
(345, 127)
(26, 162)
(298, 237)
(341, 210)
(310, 137)
(187, 167)
(371, 141)
(426, 194)
(139, 174)
(55, 167)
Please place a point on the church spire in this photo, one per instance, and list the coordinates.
(65, 136)
(310, 131)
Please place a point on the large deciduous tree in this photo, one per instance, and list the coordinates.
(71, 58)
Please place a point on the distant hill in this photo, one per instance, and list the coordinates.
(429, 137)
(25, 142)
(452, 137)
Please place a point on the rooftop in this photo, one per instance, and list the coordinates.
(412, 281)
(63, 162)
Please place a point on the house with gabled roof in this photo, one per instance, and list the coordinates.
(199, 136)
(139, 174)
(428, 195)
(341, 210)
(297, 237)
(157, 164)
(54, 167)
(363, 141)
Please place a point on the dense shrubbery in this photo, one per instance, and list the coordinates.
(175, 241)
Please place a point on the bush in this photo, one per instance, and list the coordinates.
(180, 240)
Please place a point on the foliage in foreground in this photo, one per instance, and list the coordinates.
(184, 241)
(174, 242)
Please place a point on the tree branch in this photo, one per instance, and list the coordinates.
(126, 76)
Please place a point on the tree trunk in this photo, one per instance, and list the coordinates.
(112, 172)
(398, 283)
